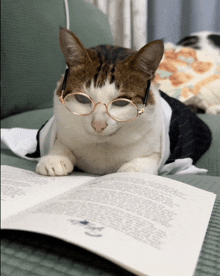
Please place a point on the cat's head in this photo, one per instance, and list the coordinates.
(103, 74)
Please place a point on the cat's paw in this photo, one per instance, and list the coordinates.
(54, 165)
(144, 165)
(130, 167)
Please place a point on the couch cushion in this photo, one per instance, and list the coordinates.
(31, 59)
(32, 119)
(211, 158)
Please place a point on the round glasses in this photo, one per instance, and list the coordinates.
(121, 109)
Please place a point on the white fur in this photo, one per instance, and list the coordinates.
(204, 43)
(122, 146)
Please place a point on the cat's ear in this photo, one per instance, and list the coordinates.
(72, 48)
(148, 58)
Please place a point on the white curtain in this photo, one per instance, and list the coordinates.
(136, 22)
(128, 21)
(175, 19)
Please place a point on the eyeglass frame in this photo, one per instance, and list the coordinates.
(139, 112)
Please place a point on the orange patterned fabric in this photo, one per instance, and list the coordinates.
(192, 76)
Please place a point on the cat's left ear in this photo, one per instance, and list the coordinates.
(148, 58)
(72, 48)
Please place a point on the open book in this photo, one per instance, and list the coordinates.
(147, 224)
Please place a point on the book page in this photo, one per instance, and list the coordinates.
(148, 224)
(21, 189)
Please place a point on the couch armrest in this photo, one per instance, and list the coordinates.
(211, 159)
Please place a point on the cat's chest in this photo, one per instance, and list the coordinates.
(118, 144)
(102, 158)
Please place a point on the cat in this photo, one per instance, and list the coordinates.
(209, 42)
(103, 122)
(205, 41)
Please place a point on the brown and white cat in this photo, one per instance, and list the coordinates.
(97, 143)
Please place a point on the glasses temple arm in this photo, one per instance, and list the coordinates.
(147, 93)
(64, 84)
(65, 78)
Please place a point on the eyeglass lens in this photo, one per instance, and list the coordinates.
(118, 109)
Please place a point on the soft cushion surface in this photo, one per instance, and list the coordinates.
(31, 59)
(211, 158)
(191, 76)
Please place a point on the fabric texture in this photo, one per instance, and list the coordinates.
(189, 136)
(176, 19)
(211, 158)
(31, 254)
(191, 76)
(31, 59)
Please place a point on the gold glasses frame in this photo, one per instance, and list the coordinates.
(139, 111)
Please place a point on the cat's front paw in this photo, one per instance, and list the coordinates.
(54, 165)
(144, 165)
(130, 167)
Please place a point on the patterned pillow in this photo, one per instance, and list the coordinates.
(192, 76)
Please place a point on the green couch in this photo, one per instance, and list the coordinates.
(31, 64)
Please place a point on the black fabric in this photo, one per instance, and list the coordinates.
(189, 136)
(36, 154)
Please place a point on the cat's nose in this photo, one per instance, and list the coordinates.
(99, 126)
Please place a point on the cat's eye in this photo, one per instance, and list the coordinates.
(122, 110)
(83, 105)
(120, 103)
(79, 103)
(82, 99)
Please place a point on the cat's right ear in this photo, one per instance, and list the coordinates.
(148, 58)
(72, 48)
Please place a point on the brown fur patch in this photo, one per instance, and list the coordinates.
(80, 75)
(128, 69)
(132, 83)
